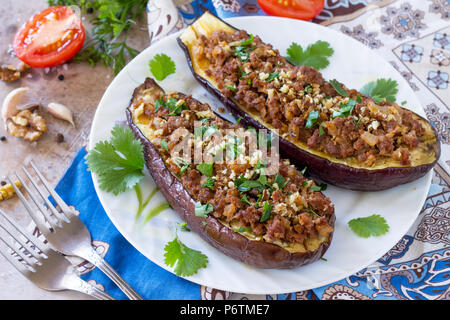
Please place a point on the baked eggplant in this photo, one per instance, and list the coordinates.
(343, 137)
(276, 220)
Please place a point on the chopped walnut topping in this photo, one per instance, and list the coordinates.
(10, 73)
(28, 125)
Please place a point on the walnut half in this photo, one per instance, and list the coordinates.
(28, 125)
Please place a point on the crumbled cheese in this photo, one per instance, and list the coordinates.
(270, 93)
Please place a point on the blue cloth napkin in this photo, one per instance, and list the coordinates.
(148, 279)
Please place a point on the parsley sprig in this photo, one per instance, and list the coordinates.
(111, 20)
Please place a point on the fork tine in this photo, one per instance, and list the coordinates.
(37, 220)
(20, 241)
(36, 242)
(21, 254)
(56, 213)
(16, 264)
(60, 202)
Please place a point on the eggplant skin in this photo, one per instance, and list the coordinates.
(255, 253)
(337, 174)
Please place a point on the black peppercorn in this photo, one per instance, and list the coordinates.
(89, 10)
(60, 138)
(61, 77)
(3, 138)
(3, 183)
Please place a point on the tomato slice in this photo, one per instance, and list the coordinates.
(50, 37)
(297, 9)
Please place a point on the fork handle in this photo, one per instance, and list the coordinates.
(100, 263)
(78, 284)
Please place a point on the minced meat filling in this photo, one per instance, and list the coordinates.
(283, 207)
(296, 100)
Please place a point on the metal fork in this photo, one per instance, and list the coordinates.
(42, 265)
(64, 231)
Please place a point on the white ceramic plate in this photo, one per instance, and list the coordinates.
(353, 64)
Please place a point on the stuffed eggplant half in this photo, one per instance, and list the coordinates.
(345, 138)
(277, 219)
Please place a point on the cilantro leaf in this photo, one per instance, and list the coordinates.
(187, 261)
(118, 162)
(206, 168)
(182, 164)
(272, 76)
(338, 87)
(161, 65)
(202, 210)
(209, 183)
(374, 225)
(315, 55)
(243, 184)
(311, 121)
(247, 42)
(267, 209)
(381, 89)
(345, 110)
(280, 181)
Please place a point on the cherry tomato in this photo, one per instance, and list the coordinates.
(297, 9)
(50, 37)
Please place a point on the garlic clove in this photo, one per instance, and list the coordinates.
(60, 111)
(17, 100)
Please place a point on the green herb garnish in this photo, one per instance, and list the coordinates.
(247, 42)
(209, 183)
(381, 89)
(311, 121)
(112, 21)
(316, 55)
(164, 145)
(202, 210)
(321, 187)
(175, 106)
(206, 168)
(161, 66)
(233, 89)
(242, 229)
(267, 209)
(244, 184)
(374, 225)
(345, 110)
(186, 260)
(280, 181)
(272, 76)
(183, 226)
(182, 164)
(118, 162)
(321, 131)
(338, 87)
(245, 200)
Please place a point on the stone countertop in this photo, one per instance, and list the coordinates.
(81, 90)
